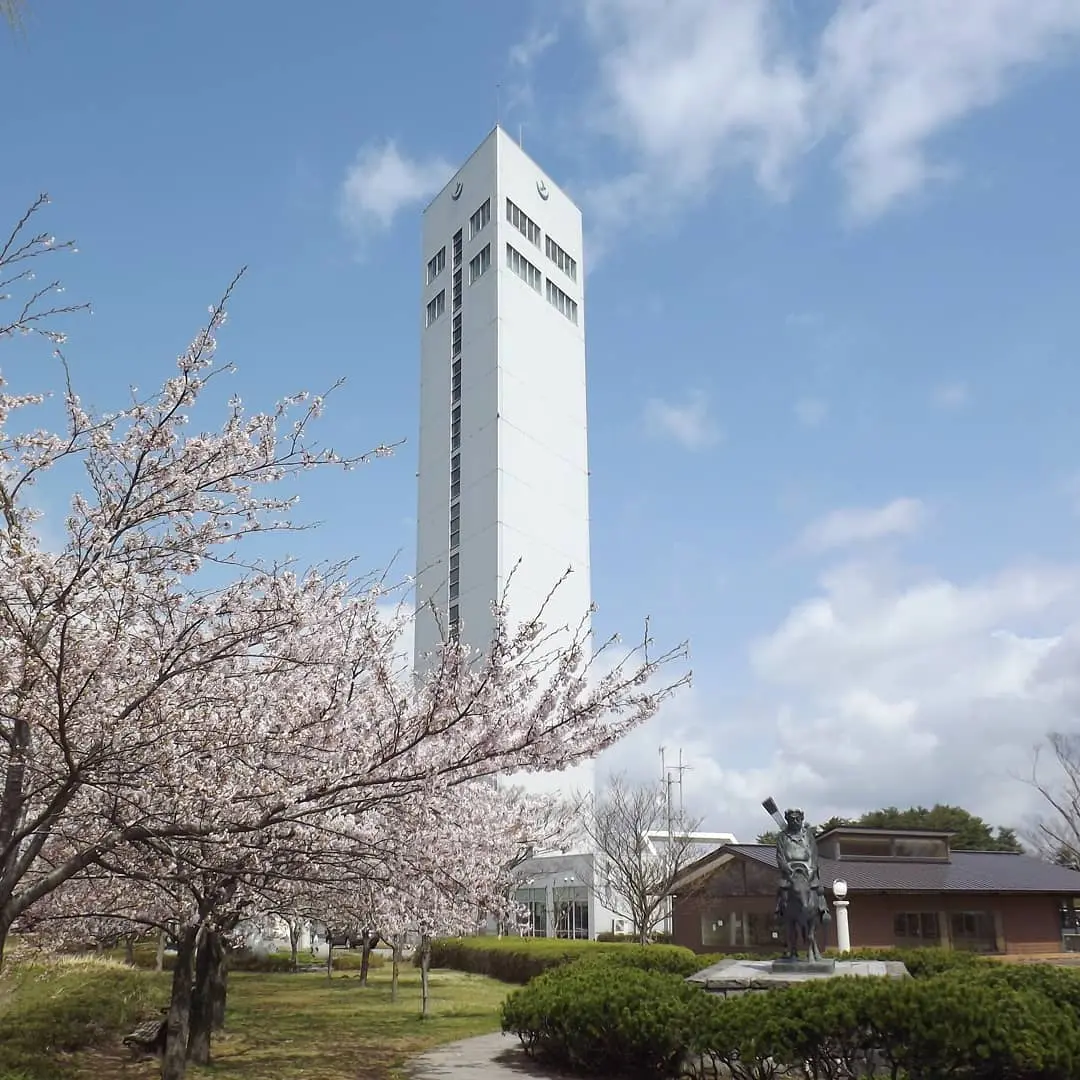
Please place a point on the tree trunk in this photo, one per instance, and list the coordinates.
(129, 949)
(219, 984)
(395, 966)
(198, 1044)
(425, 987)
(329, 960)
(368, 942)
(5, 927)
(174, 1063)
(294, 940)
(159, 962)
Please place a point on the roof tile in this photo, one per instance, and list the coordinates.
(968, 871)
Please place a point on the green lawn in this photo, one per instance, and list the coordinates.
(290, 1026)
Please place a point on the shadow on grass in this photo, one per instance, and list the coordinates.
(290, 1026)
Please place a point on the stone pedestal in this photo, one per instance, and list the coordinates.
(740, 976)
(805, 967)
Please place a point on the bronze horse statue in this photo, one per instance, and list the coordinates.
(802, 915)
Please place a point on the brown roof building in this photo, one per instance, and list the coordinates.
(905, 887)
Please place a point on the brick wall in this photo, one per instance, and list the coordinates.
(1016, 924)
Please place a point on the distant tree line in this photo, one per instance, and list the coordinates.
(970, 832)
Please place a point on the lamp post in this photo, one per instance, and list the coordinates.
(843, 928)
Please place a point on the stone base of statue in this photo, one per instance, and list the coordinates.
(808, 967)
(740, 976)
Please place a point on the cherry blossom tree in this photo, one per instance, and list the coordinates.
(184, 740)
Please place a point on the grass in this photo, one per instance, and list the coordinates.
(51, 1009)
(291, 1026)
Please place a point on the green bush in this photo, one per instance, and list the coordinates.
(517, 959)
(658, 938)
(961, 1024)
(608, 1018)
(978, 1021)
(244, 960)
(919, 962)
(52, 1007)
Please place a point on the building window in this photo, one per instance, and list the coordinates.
(752, 926)
(480, 218)
(436, 264)
(557, 298)
(917, 928)
(559, 257)
(457, 249)
(436, 307)
(534, 918)
(480, 263)
(917, 848)
(572, 912)
(455, 622)
(522, 267)
(455, 441)
(457, 289)
(523, 223)
(973, 930)
(865, 847)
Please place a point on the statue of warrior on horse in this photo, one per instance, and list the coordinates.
(800, 902)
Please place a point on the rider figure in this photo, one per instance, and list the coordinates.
(798, 845)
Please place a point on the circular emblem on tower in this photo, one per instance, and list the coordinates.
(456, 193)
(542, 188)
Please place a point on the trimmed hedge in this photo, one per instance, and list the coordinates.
(266, 963)
(517, 959)
(607, 1018)
(54, 1007)
(920, 962)
(976, 1021)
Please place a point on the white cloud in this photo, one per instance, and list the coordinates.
(901, 71)
(811, 412)
(876, 691)
(951, 395)
(843, 528)
(524, 54)
(689, 423)
(693, 87)
(381, 183)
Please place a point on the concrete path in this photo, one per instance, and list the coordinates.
(485, 1057)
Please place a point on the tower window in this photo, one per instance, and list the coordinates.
(436, 264)
(558, 299)
(436, 307)
(480, 263)
(559, 257)
(522, 267)
(480, 218)
(523, 223)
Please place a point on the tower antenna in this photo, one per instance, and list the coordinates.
(498, 104)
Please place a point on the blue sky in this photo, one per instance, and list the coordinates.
(833, 266)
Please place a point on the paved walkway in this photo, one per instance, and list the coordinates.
(486, 1057)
